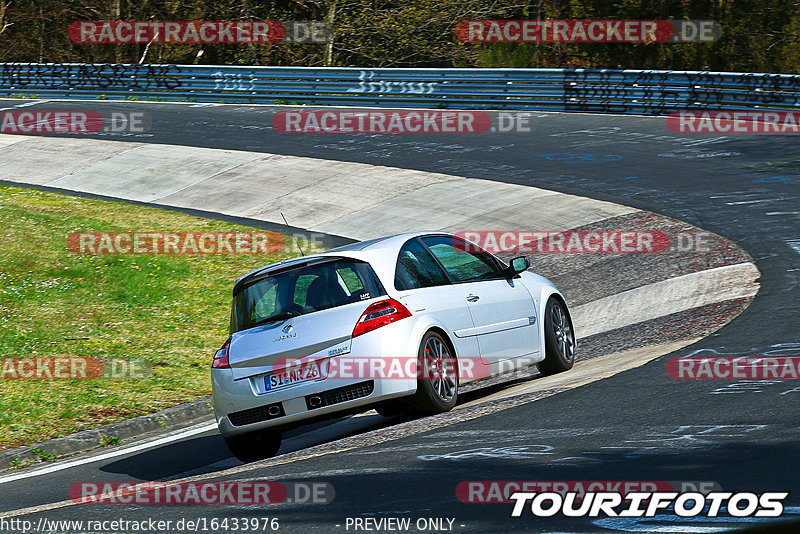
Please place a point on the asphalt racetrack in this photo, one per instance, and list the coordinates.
(638, 425)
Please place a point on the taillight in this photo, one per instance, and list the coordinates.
(221, 357)
(380, 314)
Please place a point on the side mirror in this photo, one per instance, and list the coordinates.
(517, 265)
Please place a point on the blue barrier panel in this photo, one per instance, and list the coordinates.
(582, 90)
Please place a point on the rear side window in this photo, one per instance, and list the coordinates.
(417, 268)
(303, 290)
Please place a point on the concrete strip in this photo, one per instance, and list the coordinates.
(346, 192)
(267, 177)
(6, 140)
(436, 206)
(149, 172)
(666, 297)
(247, 186)
(41, 160)
(544, 213)
(588, 371)
(342, 198)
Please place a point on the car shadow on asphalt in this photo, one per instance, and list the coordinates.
(208, 453)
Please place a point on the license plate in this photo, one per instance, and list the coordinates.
(293, 375)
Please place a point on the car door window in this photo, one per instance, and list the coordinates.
(417, 268)
(461, 261)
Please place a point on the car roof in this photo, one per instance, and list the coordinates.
(373, 251)
(358, 245)
(391, 241)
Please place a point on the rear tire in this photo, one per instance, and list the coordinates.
(254, 446)
(437, 386)
(559, 339)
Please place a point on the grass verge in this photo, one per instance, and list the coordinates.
(169, 311)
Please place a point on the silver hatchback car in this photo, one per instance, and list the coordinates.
(396, 323)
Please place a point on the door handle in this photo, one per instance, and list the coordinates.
(472, 298)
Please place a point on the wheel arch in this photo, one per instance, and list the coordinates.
(547, 294)
(439, 330)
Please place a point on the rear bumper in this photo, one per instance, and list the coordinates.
(240, 407)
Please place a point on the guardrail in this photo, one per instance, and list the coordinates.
(607, 91)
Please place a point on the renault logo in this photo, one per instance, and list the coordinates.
(287, 333)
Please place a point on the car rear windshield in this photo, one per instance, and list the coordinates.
(302, 290)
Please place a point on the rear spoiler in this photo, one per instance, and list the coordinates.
(282, 267)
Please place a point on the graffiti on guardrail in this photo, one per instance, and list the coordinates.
(380, 86)
(26, 76)
(604, 91)
(609, 90)
(664, 91)
(224, 81)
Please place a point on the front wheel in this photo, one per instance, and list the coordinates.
(559, 339)
(254, 445)
(437, 385)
